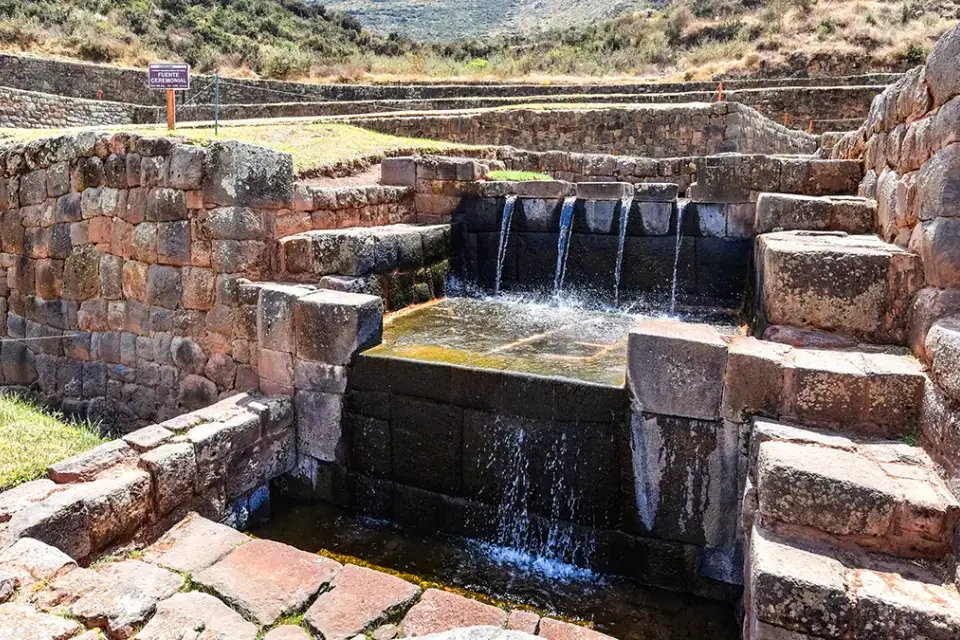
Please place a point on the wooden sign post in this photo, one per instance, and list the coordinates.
(172, 77)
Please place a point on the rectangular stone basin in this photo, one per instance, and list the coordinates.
(576, 344)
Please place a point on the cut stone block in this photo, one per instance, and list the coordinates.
(440, 611)
(526, 621)
(194, 544)
(15, 499)
(173, 468)
(180, 615)
(798, 589)
(238, 174)
(676, 368)
(19, 621)
(604, 190)
(331, 326)
(853, 285)
(943, 346)
(287, 632)
(754, 379)
(558, 630)
(267, 580)
(30, 561)
(86, 466)
(785, 212)
(894, 607)
(119, 596)
(359, 599)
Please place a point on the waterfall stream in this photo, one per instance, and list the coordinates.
(625, 205)
(682, 205)
(563, 244)
(508, 207)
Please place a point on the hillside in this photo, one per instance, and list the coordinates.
(444, 20)
(531, 40)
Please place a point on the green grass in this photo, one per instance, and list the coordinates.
(519, 176)
(32, 439)
(314, 146)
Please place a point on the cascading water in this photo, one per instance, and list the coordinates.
(520, 540)
(681, 207)
(508, 207)
(625, 205)
(563, 244)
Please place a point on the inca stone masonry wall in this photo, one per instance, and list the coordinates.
(29, 109)
(910, 147)
(83, 80)
(652, 131)
(127, 265)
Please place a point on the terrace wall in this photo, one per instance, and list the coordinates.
(29, 109)
(910, 149)
(652, 131)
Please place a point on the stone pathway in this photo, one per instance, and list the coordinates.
(206, 580)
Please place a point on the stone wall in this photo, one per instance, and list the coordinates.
(910, 148)
(41, 110)
(83, 80)
(128, 265)
(656, 131)
(217, 461)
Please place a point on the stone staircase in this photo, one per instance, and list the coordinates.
(850, 530)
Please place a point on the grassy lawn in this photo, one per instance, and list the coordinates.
(519, 176)
(314, 146)
(32, 439)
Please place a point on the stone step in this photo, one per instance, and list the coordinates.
(805, 591)
(360, 251)
(864, 393)
(788, 212)
(853, 285)
(876, 495)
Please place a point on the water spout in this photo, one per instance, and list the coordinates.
(508, 207)
(563, 244)
(681, 207)
(625, 205)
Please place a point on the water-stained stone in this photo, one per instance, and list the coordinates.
(183, 614)
(267, 580)
(557, 630)
(357, 600)
(193, 545)
(439, 611)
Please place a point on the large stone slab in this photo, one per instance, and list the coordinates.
(184, 614)
(267, 580)
(238, 174)
(786, 212)
(20, 621)
(331, 326)
(86, 466)
(118, 597)
(676, 368)
(440, 611)
(558, 630)
(359, 599)
(943, 76)
(857, 286)
(193, 545)
(943, 345)
(30, 561)
(798, 589)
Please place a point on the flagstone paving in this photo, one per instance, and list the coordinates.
(205, 580)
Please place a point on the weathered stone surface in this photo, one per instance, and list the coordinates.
(275, 316)
(853, 285)
(173, 468)
(832, 490)
(439, 611)
(785, 212)
(194, 544)
(797, 589)
(143, 440)
(287, 632)
(676, 368)
(197, 392)
(30, 561)
(480, 633)
(558, 630)
(754, 379)
(940, 250)
(942, 74)
(357, 600)
(267, 580)
(319, 424)
(943, 346)
(61, 521)
(693, 502)
(184, 614)
(88, 465)
(892, 606)
(331, 326)
(526, 621)
(118, 597)
(15, 499)
(21, 621)
(186, 167)
(238, 174)
(216, 444)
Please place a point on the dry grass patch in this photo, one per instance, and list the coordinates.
(31, 439)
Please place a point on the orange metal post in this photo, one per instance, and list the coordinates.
(171, 110)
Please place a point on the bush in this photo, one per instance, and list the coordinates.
(827, 27)
(93, 51)
(915, 55)
(284, 62)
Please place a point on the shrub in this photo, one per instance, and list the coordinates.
(826, 28)
(915, 55)
(284, 62)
